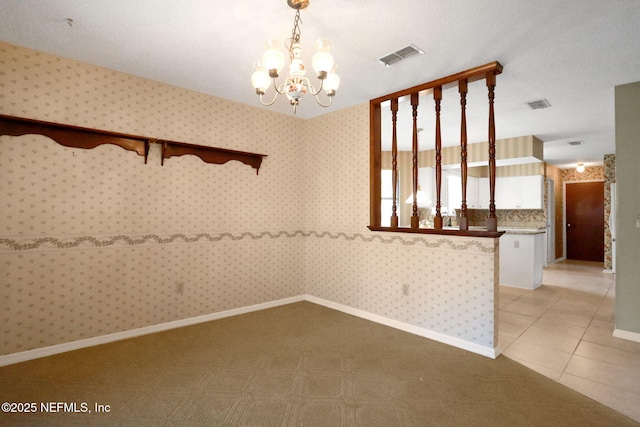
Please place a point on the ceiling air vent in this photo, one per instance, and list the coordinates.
(539, 104)
(575, 142)
(400, 54)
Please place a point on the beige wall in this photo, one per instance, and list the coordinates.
(628, 208)
(94, 242)
(451, 279)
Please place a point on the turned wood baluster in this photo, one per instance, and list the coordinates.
(394, 162)
(462, 88)
(492, 221)
(415, 218)
(437, 97)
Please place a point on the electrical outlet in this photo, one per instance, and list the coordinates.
(179, 288)
(516, 244)
(405, 289)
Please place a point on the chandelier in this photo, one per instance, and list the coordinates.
(296, 84)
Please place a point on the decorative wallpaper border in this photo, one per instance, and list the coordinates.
(22, 244)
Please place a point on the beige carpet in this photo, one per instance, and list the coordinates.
(296, 365)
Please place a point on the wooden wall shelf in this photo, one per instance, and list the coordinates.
(218, 156)
(73, 136)
(79, 137)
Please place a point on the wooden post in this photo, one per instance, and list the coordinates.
(492, 221)
(437, 97)
(415, 218)
(394, 162)
(462, 88)
(375, 175)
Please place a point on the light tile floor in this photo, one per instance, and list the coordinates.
(564, 330)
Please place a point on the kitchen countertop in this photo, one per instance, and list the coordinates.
(507, 230)
(513, 230)
(522, 230)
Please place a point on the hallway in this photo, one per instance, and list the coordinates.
(564, 330)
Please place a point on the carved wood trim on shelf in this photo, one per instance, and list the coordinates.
(210, 154)
(79, 137)
(74, 136)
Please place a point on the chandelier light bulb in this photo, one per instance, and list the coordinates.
(322, 61)
(260, 79)
(331, 83)
(273, 58)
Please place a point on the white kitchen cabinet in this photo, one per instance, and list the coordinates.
(508, 192)
(521, 258)
(454, 193)
(473, 201)
(483, 193)
(531, 194)
(519, 192)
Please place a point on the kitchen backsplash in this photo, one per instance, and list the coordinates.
(509, 218)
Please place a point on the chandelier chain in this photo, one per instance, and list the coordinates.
(295, 33)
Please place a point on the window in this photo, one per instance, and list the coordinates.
(386, 197)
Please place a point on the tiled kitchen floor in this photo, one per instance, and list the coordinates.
(564, 330)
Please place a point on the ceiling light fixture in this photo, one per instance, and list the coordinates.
(580, 167)
(296, 84)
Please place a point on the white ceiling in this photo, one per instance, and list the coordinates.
(571, 52)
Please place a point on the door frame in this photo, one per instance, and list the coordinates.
(564, 210)
(550, 250)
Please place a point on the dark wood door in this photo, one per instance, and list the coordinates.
(585, 221)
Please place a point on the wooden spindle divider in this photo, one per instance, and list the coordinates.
(437, 98)
(492, 221)
(394, 161)
(415, 218)
(463, 89)
(488, 72)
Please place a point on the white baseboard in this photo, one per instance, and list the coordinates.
(23, 356)
(626, 335)
(426, 333)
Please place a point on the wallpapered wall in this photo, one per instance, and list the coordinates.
(94, 241)
(118, 238)
(555, 174)
(609, 178)
(367, 271)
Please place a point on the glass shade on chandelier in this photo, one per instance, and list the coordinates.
(296, 84)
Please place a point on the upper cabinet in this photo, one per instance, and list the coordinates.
(473, 192)
(483, 193)
(519, 192)
(512, 192)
